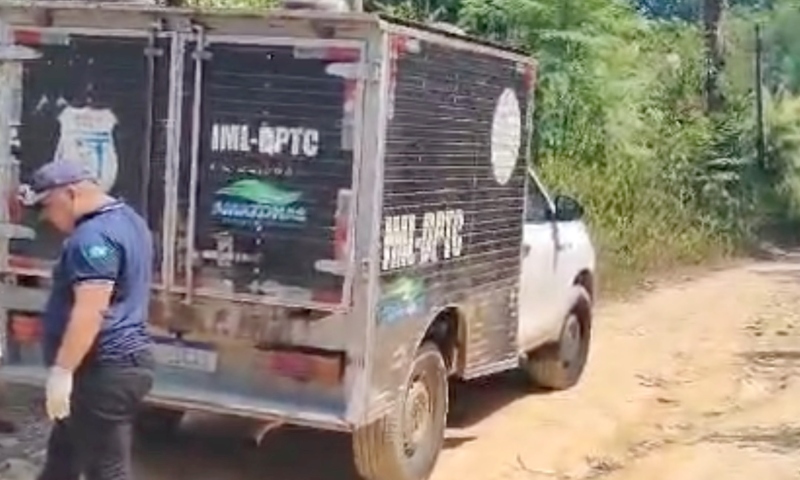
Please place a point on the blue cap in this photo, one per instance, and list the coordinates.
(53, 175)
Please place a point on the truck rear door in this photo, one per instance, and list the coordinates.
(264, 195)
(97, 97)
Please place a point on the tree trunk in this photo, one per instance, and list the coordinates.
(715, 56)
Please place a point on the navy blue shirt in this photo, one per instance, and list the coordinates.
(112, 244)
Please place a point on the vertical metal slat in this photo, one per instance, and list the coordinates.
(174, 134)
(197, 111)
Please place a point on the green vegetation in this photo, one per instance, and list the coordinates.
(646, 111)
(661, 149)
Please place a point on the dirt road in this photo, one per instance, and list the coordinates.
(690, 381)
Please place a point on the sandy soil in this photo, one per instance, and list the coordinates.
(689, 381)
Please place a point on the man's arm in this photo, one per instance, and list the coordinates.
(85, 319)
(93, 264)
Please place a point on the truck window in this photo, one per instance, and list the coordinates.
(537, 208)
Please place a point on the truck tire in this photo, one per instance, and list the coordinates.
(405, 444)
(158, 422)
(560, 365)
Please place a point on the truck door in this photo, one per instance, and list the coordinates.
(537, 285)
(265, 180)
(96, 96)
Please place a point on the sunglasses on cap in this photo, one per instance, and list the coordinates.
(30, 199)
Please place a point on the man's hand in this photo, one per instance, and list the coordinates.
(59, 391)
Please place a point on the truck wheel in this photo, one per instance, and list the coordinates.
(405, 444)
(157, 422)
(559, 366)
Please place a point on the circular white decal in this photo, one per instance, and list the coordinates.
(506, 136)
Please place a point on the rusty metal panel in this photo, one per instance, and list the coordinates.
(100, 99)
(454, 177)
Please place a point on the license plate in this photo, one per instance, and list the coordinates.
(187, 355)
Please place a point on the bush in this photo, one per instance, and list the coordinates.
(641, 186)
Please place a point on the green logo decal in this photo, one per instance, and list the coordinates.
(252, 203)
(401, 298)
(257, 191)
(403, 289)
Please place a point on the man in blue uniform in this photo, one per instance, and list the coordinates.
(95, 341)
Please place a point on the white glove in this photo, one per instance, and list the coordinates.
(58, 393)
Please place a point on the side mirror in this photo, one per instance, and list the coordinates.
(567, 209)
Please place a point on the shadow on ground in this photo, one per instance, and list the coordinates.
(472, 402)
(218, 449)
(784, 267)
(286, 454)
